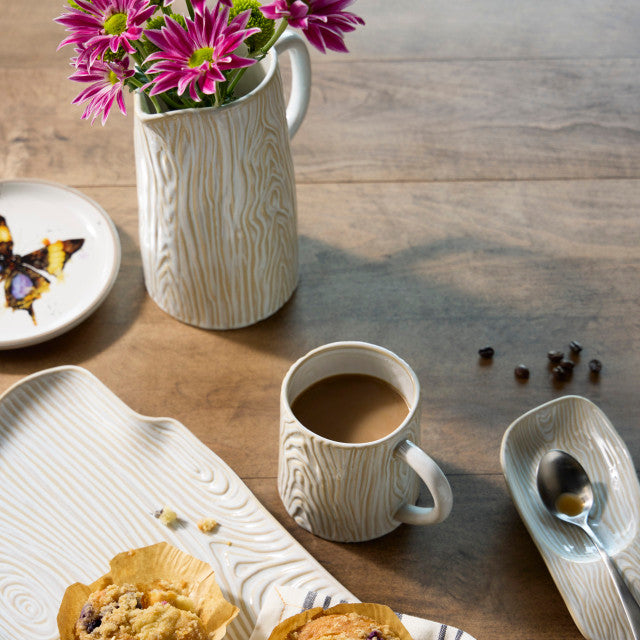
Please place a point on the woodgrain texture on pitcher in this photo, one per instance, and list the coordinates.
(217, 209)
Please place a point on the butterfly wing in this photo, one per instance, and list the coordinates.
(22, 287)
(54, 256)
(6, 246)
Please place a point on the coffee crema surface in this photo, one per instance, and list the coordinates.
(351, 408)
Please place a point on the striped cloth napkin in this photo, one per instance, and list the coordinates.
(283, 602)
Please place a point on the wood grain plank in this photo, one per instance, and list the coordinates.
(427, 29)
(471, 121)
(431, 271)
(498, 29)
(485, 120)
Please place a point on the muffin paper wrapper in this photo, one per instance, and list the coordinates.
(160, 561)
(378, 612)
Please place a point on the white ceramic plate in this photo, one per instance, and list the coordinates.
(37, 210)
(577, 426)
(80, 477)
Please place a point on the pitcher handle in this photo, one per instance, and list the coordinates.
(300, 78)
(436, 482)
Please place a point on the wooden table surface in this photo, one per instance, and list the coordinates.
(467, 175)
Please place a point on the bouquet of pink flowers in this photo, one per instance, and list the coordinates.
(185, 61)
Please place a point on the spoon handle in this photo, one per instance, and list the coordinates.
(631, 607)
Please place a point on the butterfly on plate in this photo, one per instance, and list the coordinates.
(25, 277)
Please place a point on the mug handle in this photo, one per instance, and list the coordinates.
(300, 78)
(436, 482)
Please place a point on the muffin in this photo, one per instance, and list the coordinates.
(343, 626)
(152, 593)
(357, 621)
(160, 611)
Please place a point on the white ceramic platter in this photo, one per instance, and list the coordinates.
(577, 426)
(80, 477)
(35, 211)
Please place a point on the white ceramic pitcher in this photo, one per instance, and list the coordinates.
(217, 198)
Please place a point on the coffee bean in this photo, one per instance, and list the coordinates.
(555, 356)
(595, 366)
(560, 373)
(486, 352)
(575, 347)
(567, 365)
(521, 372)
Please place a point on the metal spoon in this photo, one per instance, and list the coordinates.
(566, 492)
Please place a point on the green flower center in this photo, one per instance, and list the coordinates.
(116, 24)
(113, 78)
(205, 54)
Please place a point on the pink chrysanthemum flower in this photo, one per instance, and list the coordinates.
(102, 25)
(295, 12)
(199, 5)
(197, 56)
(106, 83)
(328, 22)
(323, 22)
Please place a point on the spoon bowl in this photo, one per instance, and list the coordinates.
(564, 486)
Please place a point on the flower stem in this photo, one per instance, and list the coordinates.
(276, 36)
(137, 84)
(171, 102)
(190, 9)
(140, 54)
(261, 54)
(156, 104)
(232, 84)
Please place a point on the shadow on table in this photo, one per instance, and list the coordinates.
(343, 296)
(98, 332)
(482, 551)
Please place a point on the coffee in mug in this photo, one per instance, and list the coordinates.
(351, 407)
(350, 464)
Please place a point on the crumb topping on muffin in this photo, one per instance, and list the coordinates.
(347, 626)
(160, 611)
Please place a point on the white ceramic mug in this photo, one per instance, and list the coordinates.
(353, 492)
